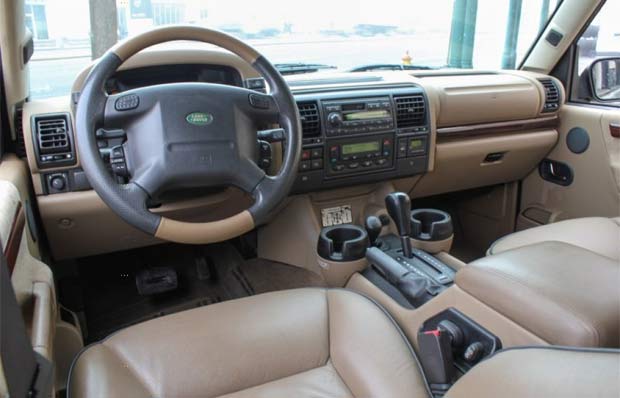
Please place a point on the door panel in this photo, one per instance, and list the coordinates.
(595, 189)
(32, 280)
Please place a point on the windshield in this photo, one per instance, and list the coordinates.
(299, 37)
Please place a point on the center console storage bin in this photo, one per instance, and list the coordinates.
(563, 294)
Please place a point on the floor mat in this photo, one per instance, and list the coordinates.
(206, 275)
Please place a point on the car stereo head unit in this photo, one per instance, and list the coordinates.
(355, 116)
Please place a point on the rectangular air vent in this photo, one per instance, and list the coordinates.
(310, 120)
(52, 136)
(410, 111)
(552, 95)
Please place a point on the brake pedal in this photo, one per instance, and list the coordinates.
(156, 280)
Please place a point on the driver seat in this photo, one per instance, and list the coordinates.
(296, 343)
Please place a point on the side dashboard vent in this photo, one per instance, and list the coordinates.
(310, 120)
(410, 111)
(52, 136)
(20, 145)
(552, 95)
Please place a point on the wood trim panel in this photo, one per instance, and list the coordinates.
(500, 127)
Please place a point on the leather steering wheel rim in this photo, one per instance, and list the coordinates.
(129, 200)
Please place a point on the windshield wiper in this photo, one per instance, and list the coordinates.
(299, 68)
(389, 67)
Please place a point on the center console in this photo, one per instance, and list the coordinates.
(362, 136)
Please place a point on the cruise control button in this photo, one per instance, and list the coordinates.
(127, 102)
(260, 101)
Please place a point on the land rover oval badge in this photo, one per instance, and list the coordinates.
(199, 118)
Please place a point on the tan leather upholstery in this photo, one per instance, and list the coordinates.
(559, 292)
(542, 372)
(598, 234)
(298, 343)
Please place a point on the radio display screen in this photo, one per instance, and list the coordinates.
(361, 147)
(365, 115)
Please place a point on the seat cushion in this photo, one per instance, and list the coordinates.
(562, 293)
(550, 372)
(597, 234)
(301, 343)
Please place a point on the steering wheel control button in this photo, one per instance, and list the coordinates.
(127, 102)
(117, 161)
(260, 101)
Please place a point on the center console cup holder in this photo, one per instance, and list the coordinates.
(341, 251)
(431, 230)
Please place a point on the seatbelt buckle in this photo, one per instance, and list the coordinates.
(435, 349)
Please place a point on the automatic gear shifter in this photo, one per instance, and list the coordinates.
(398, 206)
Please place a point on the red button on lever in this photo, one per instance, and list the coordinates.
(435, 332)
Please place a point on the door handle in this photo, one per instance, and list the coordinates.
(614, 129)
(556, 172)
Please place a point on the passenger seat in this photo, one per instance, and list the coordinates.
(597, 234)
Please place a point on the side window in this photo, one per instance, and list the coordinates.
(597, 66)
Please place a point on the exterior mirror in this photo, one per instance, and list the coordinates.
(605, 79)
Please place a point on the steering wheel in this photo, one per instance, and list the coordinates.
(187, 135)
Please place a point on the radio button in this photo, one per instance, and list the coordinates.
(380, 162)
(367, 163)
(338, 167)
(353, 165)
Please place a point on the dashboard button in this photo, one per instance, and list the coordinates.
(317, 164)
(353, 165)
(317, 153)
(367, 163)
(305, 165)
(305, 154)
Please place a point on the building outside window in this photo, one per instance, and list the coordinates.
(36, 20)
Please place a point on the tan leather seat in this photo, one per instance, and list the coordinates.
(298, 343)
(597, 234)
(562, 293)
(547, 372)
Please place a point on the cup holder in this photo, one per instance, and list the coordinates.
(346, 242)
(431, 225)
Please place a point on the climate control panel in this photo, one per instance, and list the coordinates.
(363, 154)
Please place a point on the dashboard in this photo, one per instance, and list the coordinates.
(429, 133)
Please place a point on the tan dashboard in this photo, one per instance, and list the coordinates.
(485, 128)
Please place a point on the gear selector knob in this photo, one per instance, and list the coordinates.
(398, 206)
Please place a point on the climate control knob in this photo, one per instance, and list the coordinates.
(334, 119)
